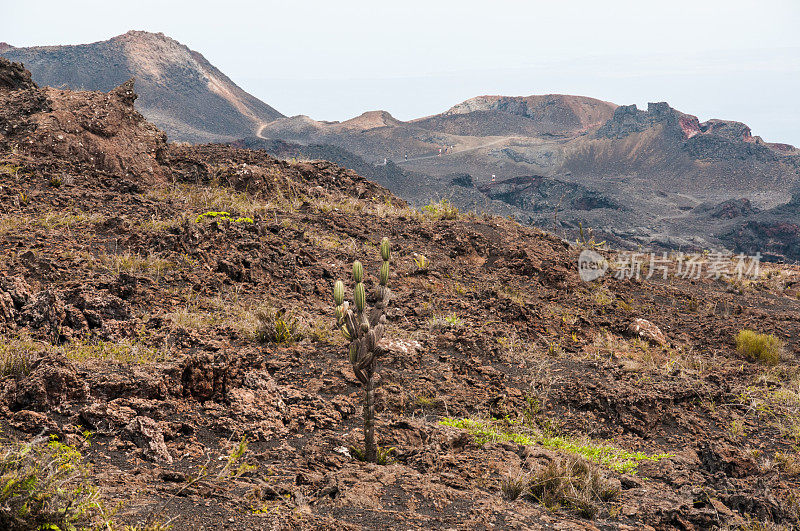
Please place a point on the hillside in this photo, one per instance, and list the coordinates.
(179, 90)
(552, 114)
(189, 369)
(638, 177)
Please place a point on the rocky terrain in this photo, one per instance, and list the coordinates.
(639, 178)
(646, 178)
(180, 91)
(136, 333)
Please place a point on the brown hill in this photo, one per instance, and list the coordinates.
(179, 90)
(634, 175)
(187, 367)
(551, 114)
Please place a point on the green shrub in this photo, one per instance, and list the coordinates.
(763, 348)
(572, 483)
(441, 210)
(44, 485)
(277, 326)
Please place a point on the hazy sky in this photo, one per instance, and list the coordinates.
(726, 59)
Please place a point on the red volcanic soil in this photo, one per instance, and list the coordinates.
(128, 333)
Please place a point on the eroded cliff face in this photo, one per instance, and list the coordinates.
(712, 139)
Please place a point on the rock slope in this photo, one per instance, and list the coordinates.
(180, 91)
(127, 323)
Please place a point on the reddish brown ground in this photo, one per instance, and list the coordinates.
(99, 243)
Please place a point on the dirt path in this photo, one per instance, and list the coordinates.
(454, 152)
(261, 127)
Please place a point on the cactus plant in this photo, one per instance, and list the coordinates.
(364, 329)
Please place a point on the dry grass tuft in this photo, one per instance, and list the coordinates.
(763, 348)
(17, 356)
(277, 326)
(572, 483)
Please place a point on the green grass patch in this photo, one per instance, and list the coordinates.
(44, 484)
(222, 216)
(440, 210)
(604, 454)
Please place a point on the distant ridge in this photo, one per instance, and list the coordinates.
(179, 90)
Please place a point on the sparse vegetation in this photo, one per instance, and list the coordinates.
(572, 483)
(235, 465)
(383, 455)
(277, 326)
(789, 463)
(117, 351)
(451, 320)
(422, 262)
(44, 484)
(737, 429)
(128, 262)
(442, 209)
(222, 216)
(586, 239)
(616, 459)
(763, 348)
(17, 356)
(512, 487)
(47, 220)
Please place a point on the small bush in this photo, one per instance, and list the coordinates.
(451, 320)
(277, 326)
(422, 263)
(763, 348)
(44, 485)
(384, 455)
(441, 210)
(572, 483)
(788, 463)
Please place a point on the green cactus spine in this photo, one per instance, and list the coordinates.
(338, 292)
(360, 297)
(384, 277)
(358, 272)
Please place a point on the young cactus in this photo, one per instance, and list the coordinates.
(364, 329)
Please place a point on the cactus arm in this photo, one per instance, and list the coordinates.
(351, 325)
